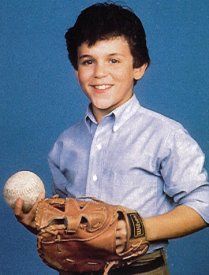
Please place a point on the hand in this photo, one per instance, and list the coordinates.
(26, 219)
(121, 236)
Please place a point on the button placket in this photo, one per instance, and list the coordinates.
(99, 146)
(94, 165)
(94, 178)
(99, 142)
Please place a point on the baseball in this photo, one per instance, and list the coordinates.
(25, 185)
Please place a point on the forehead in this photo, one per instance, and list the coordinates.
(115, 45)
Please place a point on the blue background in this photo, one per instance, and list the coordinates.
(40, 97)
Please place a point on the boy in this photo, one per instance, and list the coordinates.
(121, 152)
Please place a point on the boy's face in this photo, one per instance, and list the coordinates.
(106, 74)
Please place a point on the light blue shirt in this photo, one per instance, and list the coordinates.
(134, 157)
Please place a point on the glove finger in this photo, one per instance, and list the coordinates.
(32, 211)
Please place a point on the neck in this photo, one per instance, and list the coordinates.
(99, 113)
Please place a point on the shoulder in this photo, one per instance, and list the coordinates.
(166, 132)
(159, 121)
(171, 132)
(74, 131)
(69, 137)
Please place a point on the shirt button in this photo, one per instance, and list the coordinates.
(94, 178)
(99, 146)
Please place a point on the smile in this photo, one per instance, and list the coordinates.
(102, 87)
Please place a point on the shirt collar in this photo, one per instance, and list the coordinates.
(120, 114)
(90, 119)
(125, 112)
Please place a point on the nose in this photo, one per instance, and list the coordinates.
(100, 70)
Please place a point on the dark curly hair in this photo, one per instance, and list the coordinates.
(103, 21)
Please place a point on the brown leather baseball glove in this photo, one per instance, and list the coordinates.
(78, 235)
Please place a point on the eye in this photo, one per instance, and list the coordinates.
(113, 61)
(87, 62)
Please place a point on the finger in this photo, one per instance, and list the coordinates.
(120, 225)
(18, 208)
(118, 242)
(120, 249)
(120, 245)
(121, 231)
(122, 237)
(119, 234)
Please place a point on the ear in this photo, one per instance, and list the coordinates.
(76, 73)
(77, 76)
(139, 72)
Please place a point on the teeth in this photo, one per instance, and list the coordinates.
(102, 87)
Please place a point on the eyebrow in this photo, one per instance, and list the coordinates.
(84, 56)
(90, 56)
(112, 54)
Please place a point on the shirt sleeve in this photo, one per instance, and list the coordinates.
(59, 182)
(186, 180)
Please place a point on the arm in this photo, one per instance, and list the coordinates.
(59, 181)
(28, 219)
(186, 183)
(181, 221)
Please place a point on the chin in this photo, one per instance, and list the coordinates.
(102, 105)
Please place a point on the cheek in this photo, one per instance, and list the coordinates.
(83, 76)
(123, 74)
(125, 80)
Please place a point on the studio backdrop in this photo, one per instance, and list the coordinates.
(40, 97)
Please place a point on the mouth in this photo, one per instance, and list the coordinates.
(101, 88)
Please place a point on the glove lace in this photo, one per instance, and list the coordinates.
(108, 266)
